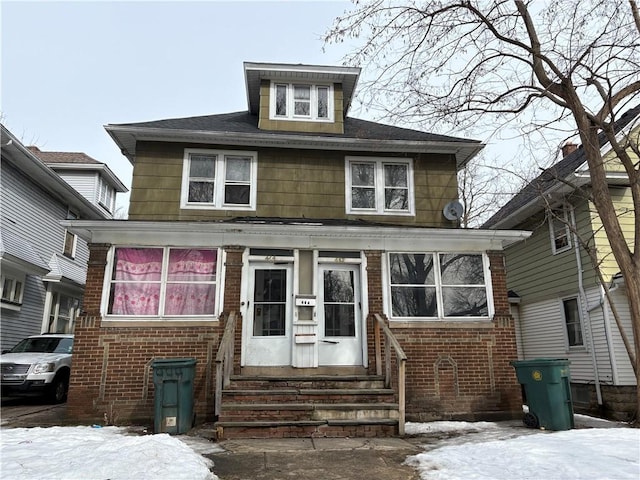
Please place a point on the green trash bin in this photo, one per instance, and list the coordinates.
(547, 389)
(173, 383)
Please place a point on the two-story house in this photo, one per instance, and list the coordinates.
(559, 304)
(303, 258)
(43, 263)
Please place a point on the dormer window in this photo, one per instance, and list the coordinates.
(106, 195)
(292, 101)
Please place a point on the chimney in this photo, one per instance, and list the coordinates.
(568, 148)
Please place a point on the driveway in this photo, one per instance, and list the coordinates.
(30, 411)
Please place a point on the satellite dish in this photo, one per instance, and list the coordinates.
(453, 210)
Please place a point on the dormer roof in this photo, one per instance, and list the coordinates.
(59, 161)
(254, 73)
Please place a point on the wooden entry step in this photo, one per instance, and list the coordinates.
(302, 406)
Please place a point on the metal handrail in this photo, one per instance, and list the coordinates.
(390, 341)
(224, 360)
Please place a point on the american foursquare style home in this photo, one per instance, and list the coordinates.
(308, 261)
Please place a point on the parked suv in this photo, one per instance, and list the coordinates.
(38, 364)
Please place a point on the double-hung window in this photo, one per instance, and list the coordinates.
(293, 101)
(379, 186)
(439, 286)
(163, 282)
(11, 290)
(106, 195)
(559, 230)
(571, 311)
(70, 239)
(219, 179)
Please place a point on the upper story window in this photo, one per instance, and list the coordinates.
(559, 221)
(292, 101)
(70, 239)
(439, 286)
(11, 290)
(219, 179)
(106, 195)
(163, 282)
(379, 186)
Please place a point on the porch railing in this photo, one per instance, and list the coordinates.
(380, 328)
(224, 360)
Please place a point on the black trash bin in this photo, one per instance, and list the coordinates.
(546, 383)
(173, 383)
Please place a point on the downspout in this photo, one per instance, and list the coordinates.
(607, 331)
(587, 315)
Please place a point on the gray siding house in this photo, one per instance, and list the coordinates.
(558, 301)
(43, 266)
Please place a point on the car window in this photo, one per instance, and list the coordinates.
(44, 345)
(65, 346)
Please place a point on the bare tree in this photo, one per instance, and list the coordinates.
(574, 62)
(486, 184)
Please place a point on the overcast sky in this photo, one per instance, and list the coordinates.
(69, 68)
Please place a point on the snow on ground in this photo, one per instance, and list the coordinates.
(485, 450)
(85, 453)
(597, 449)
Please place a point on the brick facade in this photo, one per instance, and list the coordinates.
(452, 372)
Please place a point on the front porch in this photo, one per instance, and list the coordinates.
(325, 401)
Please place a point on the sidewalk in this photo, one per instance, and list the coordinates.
(315, 458)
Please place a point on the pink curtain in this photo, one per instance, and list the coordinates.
(186, 297)
(137, 281)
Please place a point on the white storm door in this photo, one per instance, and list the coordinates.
(339, 315)
(267, 334)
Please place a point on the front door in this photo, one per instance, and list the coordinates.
(339, 315)
(269, 316)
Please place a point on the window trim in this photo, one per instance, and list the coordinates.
(440, 318)
(13, 302)
(379, 186)
(583, 345)
(219, 180)
(161, 319)
(290, 104)
(107, 200)
(74, 239)
(559, 214)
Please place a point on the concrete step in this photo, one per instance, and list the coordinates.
(302, 429)
(308, 411)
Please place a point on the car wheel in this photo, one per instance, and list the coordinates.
(59, 387)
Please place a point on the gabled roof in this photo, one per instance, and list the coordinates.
(526, 201)
(60, 161)
(241, 128)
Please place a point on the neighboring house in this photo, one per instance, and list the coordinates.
(43, 264)
(558, 301)
(275, 246)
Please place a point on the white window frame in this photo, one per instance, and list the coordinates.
(438, 284)
(52, 312)
(220, 180)
(379, 163)
(74, 240)
(12, 299)
(106, 290)
(583, 345)
(313, 100)
(106, 195)
(561, 216)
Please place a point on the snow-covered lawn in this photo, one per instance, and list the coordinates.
(453, 450)
(485, 450)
